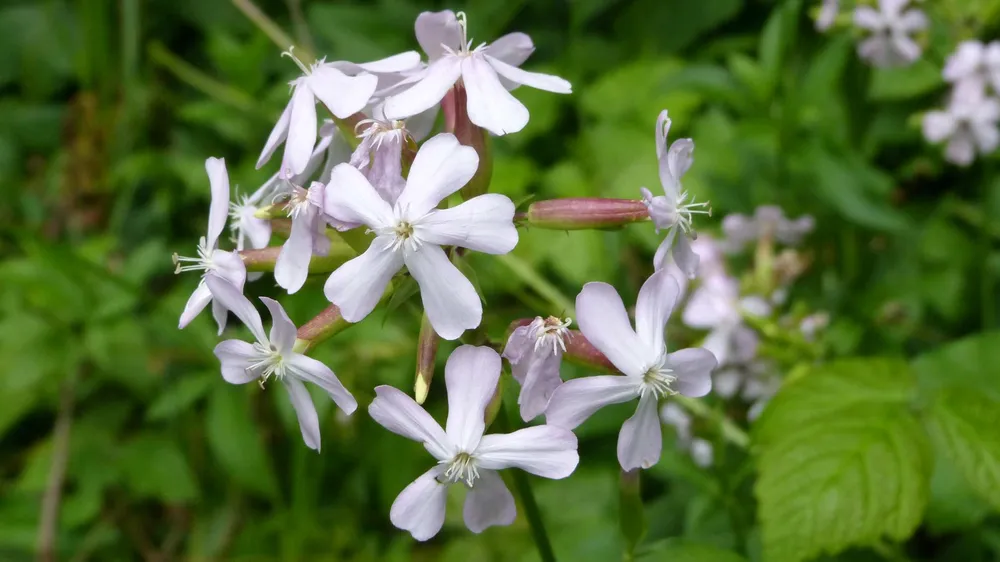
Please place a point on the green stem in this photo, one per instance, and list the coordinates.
(531, 511)
(201, 81)
(730, 431)
(530, 277)
(272, 30)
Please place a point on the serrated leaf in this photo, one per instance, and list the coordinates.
(967, 363)
(963, 423)
(236, 443)
(842, 460)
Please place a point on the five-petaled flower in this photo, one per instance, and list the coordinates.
(969, 124)
(535, 353)
(465, 455)
(650, 373)
(342, 94)
(768, 221)
(674, 209)
(891, 27)
(412, 230)
(210, 258)
(273, 356)
(487, 72)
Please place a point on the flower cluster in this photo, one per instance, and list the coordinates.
(388, 198)
(891, 28)
(969, 121)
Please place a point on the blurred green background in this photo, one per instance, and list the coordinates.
(109, 108)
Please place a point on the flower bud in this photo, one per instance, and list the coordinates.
(456, 119)
(427, 346)
(583, 353)
(326, 324)
(579, 213)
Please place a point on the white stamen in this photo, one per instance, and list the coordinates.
(550, 331)
(658, 380)
(268, 360)
(201, 263)
(462, 468)
(289, 53)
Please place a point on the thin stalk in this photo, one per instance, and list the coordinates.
(272, 30)
(199, 80)
(531, 511)
(562, 305)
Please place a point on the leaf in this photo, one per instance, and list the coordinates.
(779, 33)
(842, 460)
(155, 467)
(180, 396)
(236, 442)
(891, 84)
(964, 422)
(676, 551)
(968, 363)
(402, 292)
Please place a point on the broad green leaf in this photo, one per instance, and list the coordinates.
(842, 460)
(963, 423)
(154, 467)
(969, 363)
(236, 443)
(677, 551)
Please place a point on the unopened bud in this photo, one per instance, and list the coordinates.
(456, 119)
(427, 346)
(583, 353)
(579, 213)
(326, 324)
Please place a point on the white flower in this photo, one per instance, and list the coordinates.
(210, 258)
(768, 221)
(379, 156)
(535, 352)
(754, 381)
(482, 71)
(466, 456)
(412, 231)
(716, 306)
(974, 62)
(343, 95)
(969, 124)
(650, 373)
(272, 356)
(890, 43)
(674, 210)
(827, 14)
(307, 237)
(701, 451)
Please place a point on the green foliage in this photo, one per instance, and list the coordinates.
(963, 422)
(842, 460)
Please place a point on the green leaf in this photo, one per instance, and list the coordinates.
(155, 467)
(842, 460)
(236, 442)
(675, 551)
(402, 292)
(968, 363)
(180, 395)
(778, 35)
(964, 422)
(891, 84)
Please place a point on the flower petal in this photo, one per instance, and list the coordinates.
(419, 508)
(577, 399)
(218, 179)
(680, 157)
(316, 372)
(441, 167)
(693, 368)
(257, 231)
(488, 503)
(656, 301)
(301, 131)
(605, 324)
(236, 357)
(282, 329)
(539, 378)
(450, 301)
(537, 80)
(519, 346)
(712, 304)
(543, 450)
(278, 135)
(400, 414)
(305, 411)
(471, 375)
(394, 63)
(221, 316)
(357, 286)
(231, 298)
(437, 30)
(684, 256)
(513, 48)
(197, 302)
(867, 17)
(343, 95)
(640, 440)
(429, 90)
(484, 224)
(292, 267)
(351, 198)
(960, 149)
(490, 105)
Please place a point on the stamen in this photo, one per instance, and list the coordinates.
(462, 468)
(201, 263)
(289, 53)
(268, 361)
(552, 331)
(658, 380)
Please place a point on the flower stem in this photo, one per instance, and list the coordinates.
(523, 487)
(730, 431)
(561, 306)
